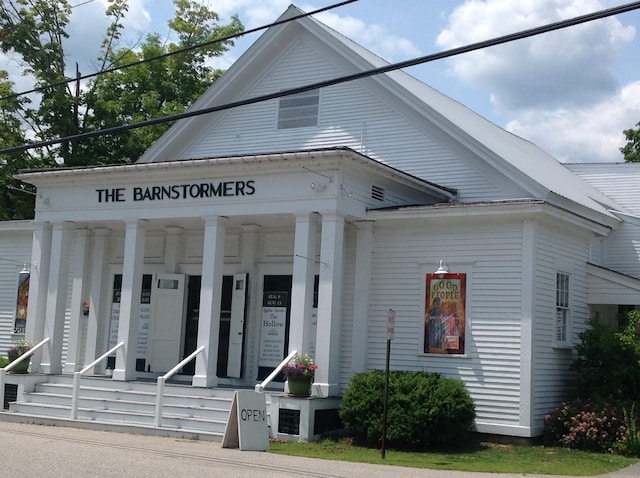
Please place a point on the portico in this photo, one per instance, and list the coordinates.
(226, 226)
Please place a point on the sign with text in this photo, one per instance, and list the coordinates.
(247, 427)
(445, 313)
(274, 324)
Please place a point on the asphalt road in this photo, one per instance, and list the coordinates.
(45, 451)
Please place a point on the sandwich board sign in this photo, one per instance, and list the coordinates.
(247, 427)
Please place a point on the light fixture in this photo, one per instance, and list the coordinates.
(443, 269)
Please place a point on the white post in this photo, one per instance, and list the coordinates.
(56, 298)
(210, 297)
(159, 401)
(359, 335)
(327, 377)
(130, 301)
(96, 294)
(74, 357)
(304, 268)
(75, 395)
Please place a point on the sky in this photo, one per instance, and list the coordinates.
(571, 92)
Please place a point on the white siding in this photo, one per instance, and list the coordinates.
(351, 115)
(492, 252)
(557, 250)
(15, 251)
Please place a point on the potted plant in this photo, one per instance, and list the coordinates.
(300, 375)
(19, 348)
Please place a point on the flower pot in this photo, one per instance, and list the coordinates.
(22, 367)
(300, 386)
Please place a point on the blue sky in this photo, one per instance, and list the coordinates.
(571, 92)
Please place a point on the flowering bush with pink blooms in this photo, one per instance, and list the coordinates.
(586, 425)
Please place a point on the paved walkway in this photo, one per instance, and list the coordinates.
(45, 451)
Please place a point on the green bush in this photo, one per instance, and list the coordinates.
(608, 360)
(4, 361)
(602, 417)
(424, 410)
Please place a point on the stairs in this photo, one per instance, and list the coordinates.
(106, 404)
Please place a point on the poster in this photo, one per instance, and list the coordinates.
(445, 313)
(22, 303)
(274, 321)
(143, 321)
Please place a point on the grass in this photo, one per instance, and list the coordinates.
(481, 457)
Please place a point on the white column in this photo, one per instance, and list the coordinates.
(329, 306)
(130, 301)
(304, 267)
(76, 319)
(56, 298)
(38, 285)
(210, 297)
(248, 263)
(171, 249)
(359, 337)
(96, 303)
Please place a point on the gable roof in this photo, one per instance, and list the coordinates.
(523, 163)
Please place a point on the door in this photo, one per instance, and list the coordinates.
(166, 324)
(236, 326)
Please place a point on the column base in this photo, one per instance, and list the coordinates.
(204, 381)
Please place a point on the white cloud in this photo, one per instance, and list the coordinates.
(589, 134)
(567, 67)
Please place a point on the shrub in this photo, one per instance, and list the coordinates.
(424, 410)
(587, 425)
(609, 360)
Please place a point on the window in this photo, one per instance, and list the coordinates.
(562, 308)
(299, 110)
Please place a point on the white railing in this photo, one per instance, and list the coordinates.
(9, 367)
(261, 386)
(75, 394)
(162, 379)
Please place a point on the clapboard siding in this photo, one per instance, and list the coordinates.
(491, 367)
(351, 115)
(622, 251)
(15, 251)
(557, 250)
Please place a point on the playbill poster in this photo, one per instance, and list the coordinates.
(22, 304)
(445, 313)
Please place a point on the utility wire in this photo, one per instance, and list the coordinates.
(343, 79)
(176, 52)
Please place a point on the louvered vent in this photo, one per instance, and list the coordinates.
(297, 111)
(377, 193)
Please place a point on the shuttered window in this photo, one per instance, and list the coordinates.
(299, 110)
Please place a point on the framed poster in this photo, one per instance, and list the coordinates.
(22, 303)
(274, 325)
(445, 313)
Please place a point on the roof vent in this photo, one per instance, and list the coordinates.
(299, 110)
(377, 193)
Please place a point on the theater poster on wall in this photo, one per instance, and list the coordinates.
(445, 313)
(22, 304)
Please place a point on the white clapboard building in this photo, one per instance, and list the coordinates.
(300, 223)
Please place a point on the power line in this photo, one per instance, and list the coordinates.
(343, 79)
(176, 52)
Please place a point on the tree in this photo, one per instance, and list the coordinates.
(33, 33)
(631, 150)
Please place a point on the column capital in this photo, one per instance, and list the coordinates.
(212, 220)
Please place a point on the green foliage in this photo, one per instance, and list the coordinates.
(4, 361)
(32, 33)
(586, 425)
(608, 360)
(603, 417)
(424, 410)
(631, 150)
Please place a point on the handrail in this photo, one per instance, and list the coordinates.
(8, 368)
(261, 386)
(78, 375)
(162, 379)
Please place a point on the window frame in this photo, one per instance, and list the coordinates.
(562, 326)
